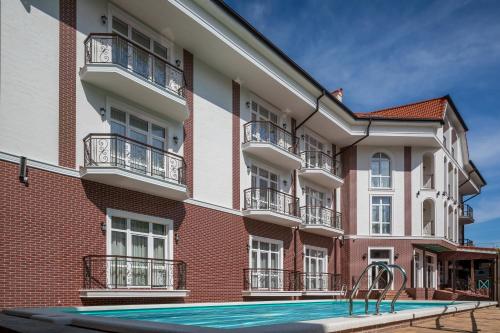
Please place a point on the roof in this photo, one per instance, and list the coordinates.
(432, 109)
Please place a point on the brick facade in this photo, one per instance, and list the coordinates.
(236, 145)
(67, 83)
(50, 225)
(188, 124)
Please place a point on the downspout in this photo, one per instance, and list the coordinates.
(367, 134)
(323, 93)
(475, 195)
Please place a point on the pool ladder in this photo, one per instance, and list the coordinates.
(383, 268)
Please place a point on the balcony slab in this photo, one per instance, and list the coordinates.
(126, 83)
(272, 217)
(321, 177)
(272, 154)
(133, 293)
(133, 181)
(322, 230)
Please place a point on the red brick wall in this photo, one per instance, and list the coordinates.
(188, 124)
(67, 83)
(50, 225)
(236, 145)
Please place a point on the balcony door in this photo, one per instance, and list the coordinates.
(314, 157)
(315, 266)
(264, 131)
(265, 265)
(315, 201)
(265, 185)
(135, 153)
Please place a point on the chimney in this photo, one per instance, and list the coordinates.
(338, 94)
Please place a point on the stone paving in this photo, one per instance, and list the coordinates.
(482, 320)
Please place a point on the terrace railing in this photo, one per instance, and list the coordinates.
(111, 272)
(317, 215)
(270, 279)
(269, 132)
(315, 159)
(272, 200)
(111, 48)
(466, 211)
(320, 282)
(114, 150)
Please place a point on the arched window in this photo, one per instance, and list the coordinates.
(381, 171)
(428, 217)
(428, 170)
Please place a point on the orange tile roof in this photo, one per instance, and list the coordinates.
(432, 109)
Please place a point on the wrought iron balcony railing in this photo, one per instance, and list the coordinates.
(315, 159)
(270, 279)
(317, 215)
(111, 48)
(111, 272)
(268, 132)
(272, 200)
(320, 282)
(466, 242)
(114, 150)
(466, 211)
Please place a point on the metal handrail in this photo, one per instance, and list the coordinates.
(384, 292)
(355, 289)
(403, 285)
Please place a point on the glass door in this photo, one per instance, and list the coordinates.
(315, 267)
(383, 256)
(262, 130)
(314, 147)
(265, 266)
(315, 200)
(265, 184)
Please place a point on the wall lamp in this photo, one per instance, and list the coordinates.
(103, 112)
(364, 256)
(176, 139)
(396, 256)
(248, 104)
(285, 182)
(178, 62)
(177, 238)
(418, 193)
(103, 227)
(23, 170)
(104, 19)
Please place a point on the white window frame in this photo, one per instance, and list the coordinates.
(130, 110)
(391, 261)
(435, 272)
(265, 240)
(169, 246)
(380, 223)
(319, 279)
(391, 178)
(257, 274)
(418, 275)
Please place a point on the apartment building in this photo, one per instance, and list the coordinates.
(165, 151)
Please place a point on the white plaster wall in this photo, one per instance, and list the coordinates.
(212, 136)
(29, 76)
(364, 192)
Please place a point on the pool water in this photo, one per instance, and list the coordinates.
(247, 315)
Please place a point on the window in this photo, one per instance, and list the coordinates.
(428, 170)
(379, 255)
(380, 171)
(381, 215)
(134, 240)
(315, 201)
(315, 265)
(430, 272)
(265, 264)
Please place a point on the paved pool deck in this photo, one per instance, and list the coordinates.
(485, 320)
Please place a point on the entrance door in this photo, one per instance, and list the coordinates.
(379, 255)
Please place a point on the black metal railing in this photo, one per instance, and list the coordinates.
(111, 48)
(270, 279)
(320, 282)
(272, 200)
(111, 272)
(465, 242)
(466, 211)
(315, 159)
(114, 150)
(317, 215)
(269, 132)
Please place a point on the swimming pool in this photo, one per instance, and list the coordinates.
(250, 315)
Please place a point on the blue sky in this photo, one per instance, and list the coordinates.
(385, 53)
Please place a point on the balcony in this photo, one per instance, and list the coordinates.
(123, 162)
(271, 143)
(270, 282)
(466, 214)
(321, 284)
(270, 205)
(121, 276)
(466, 242)
(321, 221)
(127, 69)
(321, 169)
